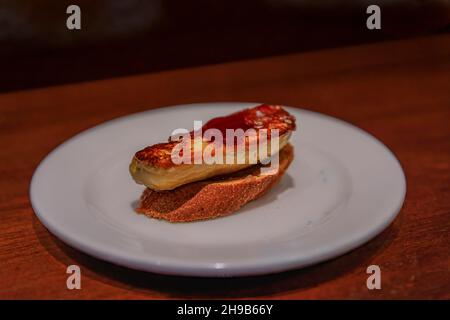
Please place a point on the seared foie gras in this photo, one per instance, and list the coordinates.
(154, 166)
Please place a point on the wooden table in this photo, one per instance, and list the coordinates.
(398, 91)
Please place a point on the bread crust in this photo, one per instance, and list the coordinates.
(212, 198)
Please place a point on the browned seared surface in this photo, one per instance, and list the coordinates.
(260, 117)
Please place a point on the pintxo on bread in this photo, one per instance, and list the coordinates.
(193, 186)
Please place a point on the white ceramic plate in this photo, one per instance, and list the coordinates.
(343, 188)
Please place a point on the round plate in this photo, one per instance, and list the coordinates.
(343, 188)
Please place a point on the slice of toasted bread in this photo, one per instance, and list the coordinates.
(212, 198)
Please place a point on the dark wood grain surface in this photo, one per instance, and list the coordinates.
(398, 91)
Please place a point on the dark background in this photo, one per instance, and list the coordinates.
(133, 36)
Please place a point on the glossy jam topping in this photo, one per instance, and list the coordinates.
(236, 120)
(260, 117)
